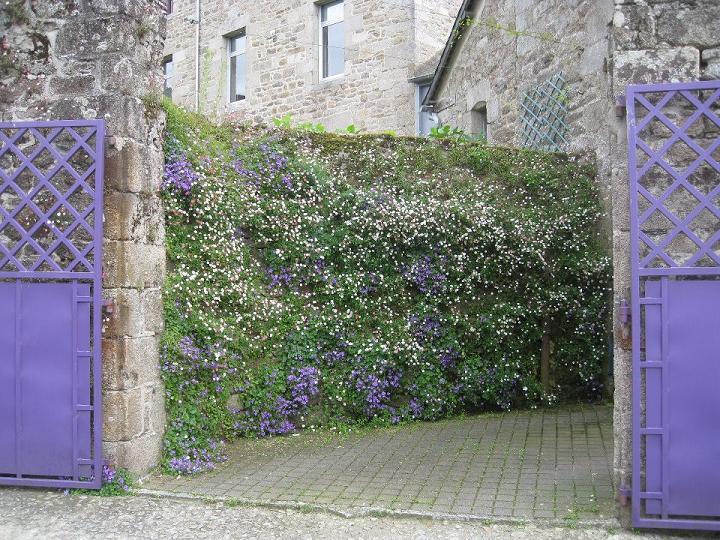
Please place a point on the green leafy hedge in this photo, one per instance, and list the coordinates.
(325, 278)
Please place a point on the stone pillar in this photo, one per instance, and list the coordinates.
(71, 59)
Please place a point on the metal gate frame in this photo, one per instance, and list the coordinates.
(655, 291)
(84, 276)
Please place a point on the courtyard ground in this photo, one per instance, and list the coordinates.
(29, 514)
(552, 466)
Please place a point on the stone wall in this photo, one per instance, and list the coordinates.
(384, 41)
(66, 59)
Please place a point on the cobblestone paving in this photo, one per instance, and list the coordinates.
(551, 464)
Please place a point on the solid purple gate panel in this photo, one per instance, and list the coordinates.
(674, 166)
(51, 183)
(7, 379)
(693, 397)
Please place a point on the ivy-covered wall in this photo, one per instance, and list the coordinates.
(320, 278)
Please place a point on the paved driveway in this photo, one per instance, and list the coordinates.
(552, 464)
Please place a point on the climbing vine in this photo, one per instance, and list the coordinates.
(319, 278)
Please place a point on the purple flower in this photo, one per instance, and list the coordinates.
(422, 275)
(416, 408)
(279, 277)
(196, 460)
(274, 416)
(448, 358)
(333, 357)
(372, 280)
(108, 474)
(375, 386)
(425, 328)
(179, 175)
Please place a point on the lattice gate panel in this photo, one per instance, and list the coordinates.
(674, 165)
(51, 230)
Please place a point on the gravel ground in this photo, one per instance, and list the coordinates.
(32, 514)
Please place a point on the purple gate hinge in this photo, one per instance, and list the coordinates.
(109, 306)
(624, 494)
(620, 107)
(623, 311)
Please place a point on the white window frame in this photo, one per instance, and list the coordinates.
(230, 56)
(321, 49)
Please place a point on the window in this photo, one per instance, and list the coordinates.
(332, 39)
(478, 120)
(426, 120)
(168, 76)
(236, 57)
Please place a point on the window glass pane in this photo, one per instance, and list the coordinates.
(426, 119)
(427, 122)
(168, 73)
(333, 50)
(332, 12)
(237, 44)
(478, 119)
(237, 77)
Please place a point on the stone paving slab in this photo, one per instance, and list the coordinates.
(551, 464)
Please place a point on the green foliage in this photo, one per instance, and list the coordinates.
(153, 103)
(309, 126)
(350, 130)
(119, 483)
(286, 122)
(317, 278)
(445, 131)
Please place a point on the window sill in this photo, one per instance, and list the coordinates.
(333, 79)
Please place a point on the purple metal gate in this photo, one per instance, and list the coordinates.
(674, 165)
(51, 200)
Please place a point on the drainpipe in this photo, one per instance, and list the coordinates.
(196, 21)
(197, 56)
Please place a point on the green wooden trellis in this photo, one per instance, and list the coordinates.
(543, 111)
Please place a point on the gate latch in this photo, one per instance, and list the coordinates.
(624, 311)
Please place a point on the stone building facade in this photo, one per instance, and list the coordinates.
(99, 59)
(506, 48)
(382, 41)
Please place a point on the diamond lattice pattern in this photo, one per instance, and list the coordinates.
(543, 111)
(678, 171)
(47, 190)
